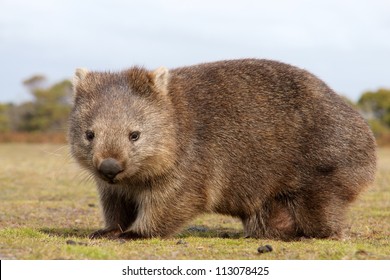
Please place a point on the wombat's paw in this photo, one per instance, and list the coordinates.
(130, 235)
(105, 233)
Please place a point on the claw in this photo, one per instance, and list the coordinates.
(130, 235)
(101, 233)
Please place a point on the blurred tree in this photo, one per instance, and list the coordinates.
(35, 81)
(376, 107)
(376, 104)
(51, 106)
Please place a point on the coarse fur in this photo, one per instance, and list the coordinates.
(260, 140)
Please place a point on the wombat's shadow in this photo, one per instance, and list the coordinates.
(192, 231)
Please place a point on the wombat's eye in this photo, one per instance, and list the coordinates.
(89, 134)
(134, 136)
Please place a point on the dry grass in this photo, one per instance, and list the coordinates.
(48, 207)
(33, 137)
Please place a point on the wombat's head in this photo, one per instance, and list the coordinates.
(121, 124)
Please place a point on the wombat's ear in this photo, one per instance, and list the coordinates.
(160, 78)
(79, 75)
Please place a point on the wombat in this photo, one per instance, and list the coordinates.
(260, 140)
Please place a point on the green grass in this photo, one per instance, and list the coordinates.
(48, 208)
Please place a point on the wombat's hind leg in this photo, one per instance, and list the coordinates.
(321, 213)
(275, 221)
(281, 222)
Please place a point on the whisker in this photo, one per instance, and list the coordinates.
(55, 152)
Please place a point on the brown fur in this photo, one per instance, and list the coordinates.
(259, 140)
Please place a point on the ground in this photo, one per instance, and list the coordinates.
(48, 206)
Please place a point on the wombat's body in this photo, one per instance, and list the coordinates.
(259, 140)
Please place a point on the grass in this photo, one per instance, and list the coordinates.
(48, 208)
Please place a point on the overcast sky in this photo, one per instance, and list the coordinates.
(346, 43)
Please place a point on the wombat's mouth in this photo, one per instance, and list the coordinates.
(111, 181)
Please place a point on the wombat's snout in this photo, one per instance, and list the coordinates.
(109, 168)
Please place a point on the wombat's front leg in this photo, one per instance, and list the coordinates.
(159, 218)
(119, 213)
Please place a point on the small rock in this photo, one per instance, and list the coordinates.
(71, 242)
(264, 249)
(91, 205)
(197, 229)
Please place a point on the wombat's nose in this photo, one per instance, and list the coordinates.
(110, 168)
